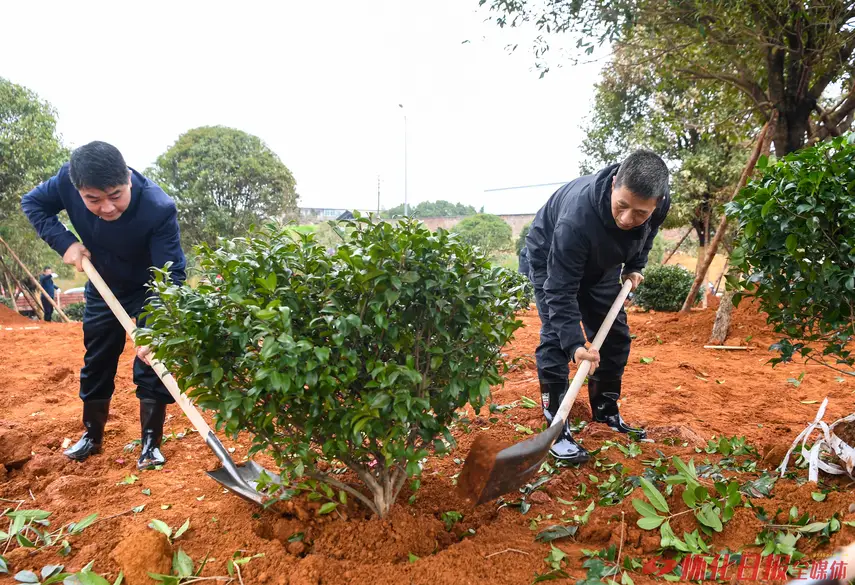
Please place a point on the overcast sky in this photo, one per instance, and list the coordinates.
(320, 84)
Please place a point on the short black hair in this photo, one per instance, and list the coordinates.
(46, 268)
(645, 174)
(98, 165)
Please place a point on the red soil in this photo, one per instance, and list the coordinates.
(687, 391)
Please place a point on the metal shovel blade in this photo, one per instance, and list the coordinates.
(241, 479)
(487, 476)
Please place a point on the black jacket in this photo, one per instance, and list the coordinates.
(574, 242)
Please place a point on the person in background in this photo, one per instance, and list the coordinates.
(46, 281)
(127, 225)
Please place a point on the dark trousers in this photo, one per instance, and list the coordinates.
(104, 339)
(48, 308)
(594, 303)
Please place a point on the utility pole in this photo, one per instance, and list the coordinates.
(406, 208)
(378, 196)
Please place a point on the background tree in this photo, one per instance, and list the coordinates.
(31, 151)
(488, 232)
(698, 128)
(521, 239)
(223, 180)
(792, 56)
(439, 208)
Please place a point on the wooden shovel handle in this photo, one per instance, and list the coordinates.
(167, 379)
(585, 366)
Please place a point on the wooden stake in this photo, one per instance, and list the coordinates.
(677, 247)
(28, 296)
(36, 282)
(762, 144)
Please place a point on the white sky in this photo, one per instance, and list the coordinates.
(320, 83)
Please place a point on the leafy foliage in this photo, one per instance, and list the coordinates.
(793, 56)
(796, 249)
(362, 356)
(664, 288)
(223, 180)
(490, 233)
(439, 208)
(657, 251)
(32, 152)
(74, 311)
(521, 239)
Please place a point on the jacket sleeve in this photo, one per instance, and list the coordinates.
(165, 246)
(638, 262)
(565, 268)
(41, 206)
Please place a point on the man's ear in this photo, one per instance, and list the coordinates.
(130, 174)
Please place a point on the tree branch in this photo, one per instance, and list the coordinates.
(325, 477)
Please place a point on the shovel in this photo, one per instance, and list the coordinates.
(491, 470)
(241, 479)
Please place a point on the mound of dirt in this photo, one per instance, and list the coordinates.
(11, 318)
(15, 448)
(142, 552)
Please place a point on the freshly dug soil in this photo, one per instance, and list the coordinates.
(10, 318)
(685, 396)
(845, 430)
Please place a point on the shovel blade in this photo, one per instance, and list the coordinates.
(512, 467)
(245, 482)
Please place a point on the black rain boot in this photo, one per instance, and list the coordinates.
(152, 417)
(95, 413)
(565, 448)
(604, 395)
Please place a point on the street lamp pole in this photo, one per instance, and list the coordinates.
(406, 208)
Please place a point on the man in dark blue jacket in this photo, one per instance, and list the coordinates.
(127, 225)
(592, 234)
(46, 281)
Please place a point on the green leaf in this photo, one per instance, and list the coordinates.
(182, 564)
(555, 532)
(49, 571)
(327, 508)
(653, 495)
(161, 527)
(410, 277)
(138, 509)
(813, 527)
(183, 529)
(412, 558)
(129, 480)
(90, 578)
(26, 577)
(648, 523)
(216, 375)
(646, 360)
(792, 243)
(767, 208)
(644, 508)
(79, 527)
(818, 496)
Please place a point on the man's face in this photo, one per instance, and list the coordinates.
(46, 271)
(109, 205)
(628, 209)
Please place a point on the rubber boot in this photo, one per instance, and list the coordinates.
(604, 395)
(95, 413)
(565, 448)
(152, 417)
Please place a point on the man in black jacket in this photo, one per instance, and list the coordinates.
(592, 234)
(46, 281)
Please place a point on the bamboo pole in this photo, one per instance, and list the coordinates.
(36, 282)
(28, 296)
(677, 247)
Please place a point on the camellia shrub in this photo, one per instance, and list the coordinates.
(796, 249)
(360, 357)
(664, 288)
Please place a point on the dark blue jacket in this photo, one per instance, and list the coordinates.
(123, 251)
(47, 283)
(574, 243)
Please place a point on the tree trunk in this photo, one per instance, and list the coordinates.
(35, 280)
(792, 129)
(721, 327)
(762, 145)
